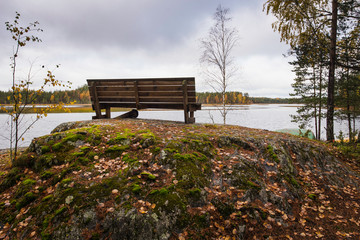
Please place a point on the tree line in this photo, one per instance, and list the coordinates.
(79, 95)
(217, 98)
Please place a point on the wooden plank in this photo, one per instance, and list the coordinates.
(189, 79)
(115, 93)
(144, 88)
(165, 93)
(146, 100)
(164, 88)
(191, 100)
(117, 99)
(165, 99)
(141, 82)
(163, 82)
(179, 106)
(117, 88)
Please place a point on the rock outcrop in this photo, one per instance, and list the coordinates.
(137, 179)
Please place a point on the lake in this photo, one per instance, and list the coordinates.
(263, 116)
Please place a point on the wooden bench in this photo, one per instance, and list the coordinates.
(162, 93)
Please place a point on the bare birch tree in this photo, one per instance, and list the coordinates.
(217, 55)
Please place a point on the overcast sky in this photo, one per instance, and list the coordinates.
(143, 38)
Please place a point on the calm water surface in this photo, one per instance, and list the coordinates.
(270, 117)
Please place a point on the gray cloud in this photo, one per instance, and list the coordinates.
(142, 38)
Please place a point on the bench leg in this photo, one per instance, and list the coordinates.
(108, 113)
(186, 116)
(192, 118)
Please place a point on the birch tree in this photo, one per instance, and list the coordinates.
(217, 55)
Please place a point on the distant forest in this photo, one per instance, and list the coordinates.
(81, 96)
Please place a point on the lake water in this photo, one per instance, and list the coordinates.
(263, 116)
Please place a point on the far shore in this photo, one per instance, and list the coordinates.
(83, 108)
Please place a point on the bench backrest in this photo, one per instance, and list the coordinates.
(168, 93)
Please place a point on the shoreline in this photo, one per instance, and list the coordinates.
(82, 108)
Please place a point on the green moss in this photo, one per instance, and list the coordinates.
(103, 189)
(129, 160)
(122, 137)
(46, 221)
(163, 191)
(154, 191)
(148, 175)
(203, 146)
(156, 150)
(83, 161)
(253, 185)
(195, 192)
(47, 161)
(171, 150)
(65, 182)
(91, 155)
(272, 154)
(167, 201)
(116, 150)
(60, 211)
(174, 146)
(25, 186)
(191, 171)
(61, 175)
(73, 137)
(58, 146)
(85, 149)
(45, 149)
(78, 154)
(27, 199)
(147, 139)
(291, 180)
(28, 182)
(47, 198)
(136, 188)
(46, 175)
(11, 179)
(312, 196)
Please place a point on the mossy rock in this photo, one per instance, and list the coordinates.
(25, 200)
(244, 175)
(116, 150)
(11, 178)
(271, 153)
(191, 170)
